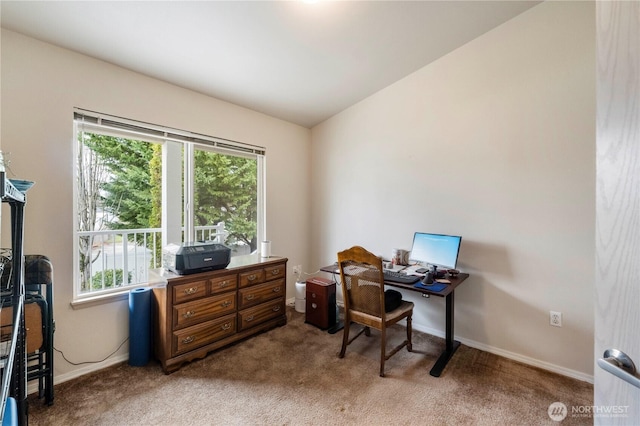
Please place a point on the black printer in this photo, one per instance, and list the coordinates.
(191, 258)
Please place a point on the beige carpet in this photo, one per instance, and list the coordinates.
(292, 376)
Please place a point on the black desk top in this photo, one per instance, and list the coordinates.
(455, 282)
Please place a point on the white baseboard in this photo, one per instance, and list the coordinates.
(32, 387)
(530, 361)
(501, 352)
(579, 375)
(90, 368)
(510, 355)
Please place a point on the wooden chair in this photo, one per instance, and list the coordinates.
(364, 300)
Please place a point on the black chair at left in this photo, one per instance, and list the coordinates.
(364, 301)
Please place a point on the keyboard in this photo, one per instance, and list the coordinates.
(397, 277)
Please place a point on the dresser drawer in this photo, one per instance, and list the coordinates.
(256, 294)
(275, 271)
(189, 291)
(203, 334)
(205, 309)
(222, 284)
(261, 313)
(252, 277)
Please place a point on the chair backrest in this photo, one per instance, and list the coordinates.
(362, 281)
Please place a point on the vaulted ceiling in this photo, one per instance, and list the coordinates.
(300, 61)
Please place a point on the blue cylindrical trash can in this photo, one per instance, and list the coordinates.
(139, 326)
(10, 415)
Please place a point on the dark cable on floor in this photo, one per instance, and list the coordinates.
(90, 362)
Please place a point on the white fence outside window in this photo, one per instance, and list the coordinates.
(134, 251)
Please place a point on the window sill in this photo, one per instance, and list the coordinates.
(87, 302)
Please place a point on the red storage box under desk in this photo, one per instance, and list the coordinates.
(320, 302)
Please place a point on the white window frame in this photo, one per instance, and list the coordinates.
(116, 126)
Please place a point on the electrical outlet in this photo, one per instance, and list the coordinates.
(297, 270)
(555, 318)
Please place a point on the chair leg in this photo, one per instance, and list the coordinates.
(383, 354)
(345, 336)
(409, 333)
(367, 331)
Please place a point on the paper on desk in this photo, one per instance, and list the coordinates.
(411, 270)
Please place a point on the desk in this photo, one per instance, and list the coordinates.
(448, 292)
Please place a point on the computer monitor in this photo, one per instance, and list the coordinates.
(436, 249)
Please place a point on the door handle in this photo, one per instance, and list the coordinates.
(619, 364)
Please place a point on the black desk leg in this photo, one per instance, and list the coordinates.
(450, 344)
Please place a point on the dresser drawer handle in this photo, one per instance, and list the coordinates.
(313, 295)
(188, 314)
(188, 340)
(190, 290)
(275, 272)
(252, 277)
(225, 303)
(276, 289)
(249, 296)
(224, 283)
(226, 326)
(275, 308)
(249, 318)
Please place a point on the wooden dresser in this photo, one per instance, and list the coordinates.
(199, 313)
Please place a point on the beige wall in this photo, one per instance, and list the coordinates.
(40, 86)
(494, 142)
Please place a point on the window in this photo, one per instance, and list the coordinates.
(141, 186)
(225, 192)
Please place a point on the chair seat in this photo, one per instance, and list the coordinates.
(392, 317)
(400, 312)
